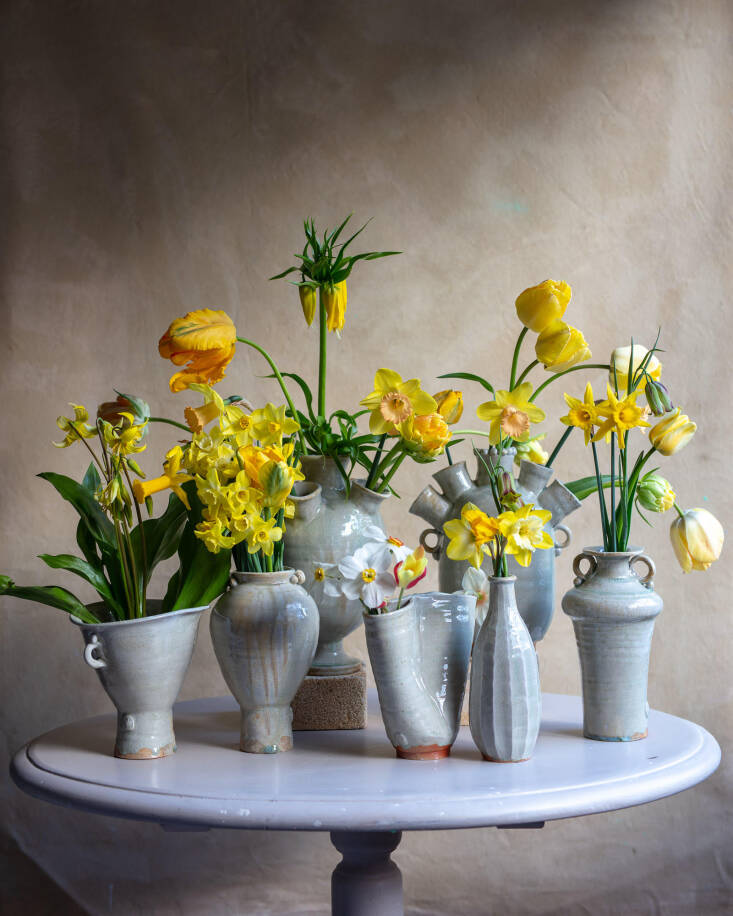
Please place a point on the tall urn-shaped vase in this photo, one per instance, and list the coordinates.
(535, 584)
(613, 610)
(328, 526)
(504, 701)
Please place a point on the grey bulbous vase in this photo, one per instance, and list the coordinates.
(264, 630)
(419, 656)
(505, 703)
(328, 526)
(535, 584)
(141, 664)
(613, 610)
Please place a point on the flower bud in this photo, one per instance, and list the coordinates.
(531, 450)
(658, 399)
(655, 493)
(308, 303)
(539, 305)
(450, 405)
(697, 538)
(672, 433)
(560, 346)
(114, 411)
(620, 359)
(508, 496)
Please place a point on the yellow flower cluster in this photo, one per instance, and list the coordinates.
(540, 309)
(475, 534)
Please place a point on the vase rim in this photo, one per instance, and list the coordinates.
(180, 612)
(276, 575)
(313, 490)
(361, 484)
(506, 579)
(598, 549)
(396, 612)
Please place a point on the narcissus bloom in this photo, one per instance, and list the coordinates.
(476, 582)
(619, 416)
(469, 535)
(697, 538)
(270, 425)
(393, 401)
(172, 479)
(539, 305)
(368, 576)
(204, 342)
(672, 433)
(561, 346)
(75, 427)
(450, 405)
(524, 532)
(510, 414)
(262, 535)
(620, 359)
(583, 414)
(384, 546)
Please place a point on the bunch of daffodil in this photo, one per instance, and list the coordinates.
(417, 421)
(635, 371)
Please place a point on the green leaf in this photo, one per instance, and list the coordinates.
(91, 479)
(92, 574)
(88, 508)
(87, 544)
(285, 273)
(469, 376)
(585, 486)
(303, 385)
(162, 535)
(53, 596)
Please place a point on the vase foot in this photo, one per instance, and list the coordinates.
(497, 760)
(335, 670)
(144, 735)
(424, 752)
(638, 736)
(266, 730)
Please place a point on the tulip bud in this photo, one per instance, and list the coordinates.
(655, 493)
(560, 346)
(531, 450)
(450, 405)
(672, 433)
(697, 538)
(276, 481)
(112, 411)
(539, 305)
(412, 569)
(620, 359)
(308, 303)
(508, 496)
(658, 399)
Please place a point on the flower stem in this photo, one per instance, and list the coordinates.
(614, 542)
(375, 463)
(169, 422)
(556, 450)
(679, 511)
(515, 357)
(390, 475)
(530, 367)
(601, 498)
(565, 372)
(322, 344)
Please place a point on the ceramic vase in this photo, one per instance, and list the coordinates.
(264, 630)
(613, 610)
(141, 664)
(535, 584)
(328, 526)
(505, 702)
(419, 656)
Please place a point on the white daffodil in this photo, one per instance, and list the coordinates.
(324, 580)
(368, 574)
(476, 582)
(390, 547)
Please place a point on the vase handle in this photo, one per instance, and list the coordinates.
(566, 542)
(434, 551)
(648, 580)
(298, 577)
(89, 657)
(580, 576)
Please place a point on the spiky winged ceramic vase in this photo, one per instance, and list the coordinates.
(613, 610)
(328, 526)
(535, 584)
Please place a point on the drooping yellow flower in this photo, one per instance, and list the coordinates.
(393, 401)
(524, 532)
(510, 414)
(621, 357)
(211, 450)
(126, 437)
(697, 538)
(75, 428)
(539, 305)
(450, 405)
(270, 425)
(561, 346)
(426, 435)
(308, 302)
(262, 535)
(204, 342)
(619, 416)
(582, 414)
(173, 478)
(334, 301)
(672, 433)
(469, 535)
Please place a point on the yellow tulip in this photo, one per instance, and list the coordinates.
(655, 493)
(393, 401)
(510, 414)
(450, 405)
(542, 304)
(308, 302)
(697, 538)
(425, 435)
(204, 342)
(621, 357)
(531, 451)
(672, 433)
(412, 569)
(334, 301)
(561, 346)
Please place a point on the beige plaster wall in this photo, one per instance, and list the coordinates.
(160, 156)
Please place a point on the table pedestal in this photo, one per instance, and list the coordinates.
(366, 882)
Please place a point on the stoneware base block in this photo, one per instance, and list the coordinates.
(331, 703)
(424, 752)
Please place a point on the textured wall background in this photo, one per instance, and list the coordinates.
(160, 157)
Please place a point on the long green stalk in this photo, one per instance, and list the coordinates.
(556, 451)
(523, 376)
(169, 422)
(558, 375)
(322, 345)
(614, 543)
(601, 498)
(385, 483)
(370, 481)
(515, 357)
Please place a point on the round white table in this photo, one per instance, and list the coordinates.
(351, 784)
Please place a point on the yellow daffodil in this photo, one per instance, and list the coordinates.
(211, 450)
(539, 305)
(425, 436)
(308, 302)
(469, 535)
(524, 532)
(270, 425)
(75, 428)
(262, 535)
(510, 414)
(620, 359)
(531, 450)
(619, 416)
(204, 342)
(213, 407)
(450, 405)
(393, 401)
(582, 414)
(697, 538)
(655, 493)
(561, 346)
(172, 479)
(412, 569)
(213, 535)
(672, 433)
(125, 438)
(334, 300)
